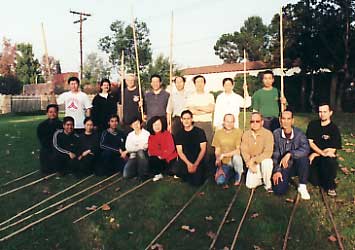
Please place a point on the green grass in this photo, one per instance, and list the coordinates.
(142, 214)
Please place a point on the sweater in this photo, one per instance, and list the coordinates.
(162, 145)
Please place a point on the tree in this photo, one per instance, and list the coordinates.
(7, 58)
(27, 67)
(10, 85)
(122, 39)
(95, 69)
(253, 37)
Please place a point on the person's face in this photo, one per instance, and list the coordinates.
(89, 126)
(200, 84)
(74, 86)
(324, 113)
(268, 80)
(179, 83)
(186, 120)
(68, 127)
(256, 123)
(157, 126)
(52, 113)
(113, 123)
(155, 83)
(136, 125)
(286, 120)
(105, 87)
(130, 81)
(228, 86)
(228, 122)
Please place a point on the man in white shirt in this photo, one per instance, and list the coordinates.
(76, 103)
(229, 102)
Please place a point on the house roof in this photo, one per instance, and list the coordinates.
(226, 67)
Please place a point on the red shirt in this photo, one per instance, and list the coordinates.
(162, 145)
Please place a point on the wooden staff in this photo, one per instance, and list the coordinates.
(245, 89)
(27, 185)
(113, 200)
(137, 65)
(283, 106)
(56, 212)
(120, 110)
(176, 216)
(340, 243)
(19, 178)
(58, 203)
(171, 68)
(225, 217)
(43, 201)
(242, 220)
(284, 247)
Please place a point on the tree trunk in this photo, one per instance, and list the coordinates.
(333, 89)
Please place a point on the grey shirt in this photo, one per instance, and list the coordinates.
(177, 102)
(156, 103)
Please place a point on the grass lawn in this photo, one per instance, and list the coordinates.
(135, 220)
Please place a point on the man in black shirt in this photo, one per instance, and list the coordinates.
(324, 139)
(65, 143)
(45, 131)
(191, 147)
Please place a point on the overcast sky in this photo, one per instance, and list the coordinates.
(197, 25)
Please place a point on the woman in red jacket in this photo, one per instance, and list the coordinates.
(161, 148)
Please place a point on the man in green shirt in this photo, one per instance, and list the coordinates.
(267, 101)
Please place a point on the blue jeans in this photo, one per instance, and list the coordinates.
(137, 165)
(236, 164)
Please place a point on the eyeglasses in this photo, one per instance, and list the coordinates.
(255, 121)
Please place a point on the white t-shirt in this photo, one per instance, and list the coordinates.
(203, 99)
(229, 104)
(75, 106)
(136, 142)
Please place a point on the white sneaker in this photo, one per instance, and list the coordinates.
(158, 177)
(302, 189)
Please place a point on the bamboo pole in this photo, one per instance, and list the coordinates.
(19, 178)
(121, 114)
(225, 217)
(27, 185)
(242, 220)
(55, 212)
(245, 94)
(113, 200)
(58, 203)
(176, 216)
(283, 106)
(43, 201)
(340, 243)
(137, 65)
(284, 247)
(169, 118)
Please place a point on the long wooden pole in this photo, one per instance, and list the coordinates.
(46, 53)
(27, 185)
(19, 178)
(225, 217)
(176, 216)
(340, 243)
(45, 200)
(56, 212)
(283, 106)
(245, 94)
(58, 203)
(122, 86)
(171, 101)
(137, 64)
(242, 220)
(113, 200)
(284, 247)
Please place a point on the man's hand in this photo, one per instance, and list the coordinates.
(140, 103)
(284, 160)
(72, 155)
(277, 178)
(312, 156)
(191, 168)
(283, 100)
(328, 152)
(123, 154)
(85, 153)
(252, 166)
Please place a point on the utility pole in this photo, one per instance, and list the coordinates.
(81, 20)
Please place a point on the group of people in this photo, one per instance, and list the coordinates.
(186, 135)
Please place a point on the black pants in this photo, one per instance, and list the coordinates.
(109, 163)
(271, 123)
(195, 179)
(46, 160)
(323, 172)
(160, 166)
(63, 164)
(86, 165)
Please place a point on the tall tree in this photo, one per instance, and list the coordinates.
(27, 67)
(121, 38)
(7, 58)
(95, 69)
(253, 37)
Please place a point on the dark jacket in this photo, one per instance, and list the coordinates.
(298, 146)
(45, 132)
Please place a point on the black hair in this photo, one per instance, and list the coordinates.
(227, 79)
(74, 78)
(268, 72)
(88, 119)
(186, 112)
(257, 113)
(135, 118)
(49, 106)
(325, 104)
(153, 120)
(103, 81)
(288, 109)
(68, 119)
(199, 76)
(155, 76)
(113, 116)
(183, 78)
